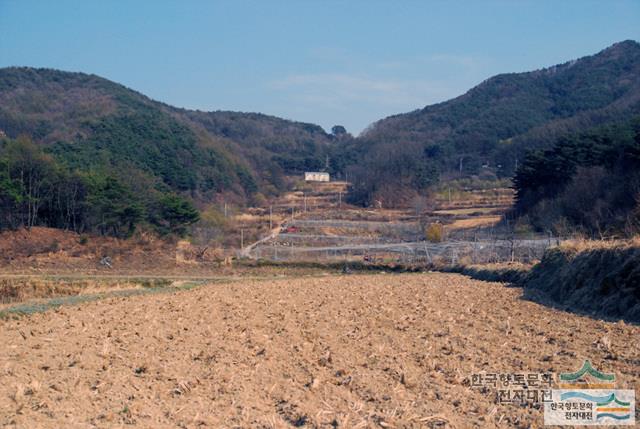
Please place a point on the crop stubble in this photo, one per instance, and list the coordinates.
(350, 351)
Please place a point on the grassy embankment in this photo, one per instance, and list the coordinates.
(596, 278)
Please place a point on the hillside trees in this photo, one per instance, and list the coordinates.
(392, 177)
(272, 147)
(174, 214)
(111, 208)
(496, 122)
(29, 178)
(589, 182)
(38, 190)
(89, 123)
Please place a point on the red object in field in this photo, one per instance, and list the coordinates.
(291, 229)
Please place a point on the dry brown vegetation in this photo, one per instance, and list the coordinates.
(20, 289)
(46, 249)
(597, 278)
(54, 251)
(351, 351)
(582, 245)
(600, 278)
(475, 222)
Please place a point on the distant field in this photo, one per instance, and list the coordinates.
(475, 222)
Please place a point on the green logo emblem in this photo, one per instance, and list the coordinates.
(587, 368)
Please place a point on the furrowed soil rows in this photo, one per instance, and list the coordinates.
(377, 350)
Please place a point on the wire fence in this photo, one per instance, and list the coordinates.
(452, 252)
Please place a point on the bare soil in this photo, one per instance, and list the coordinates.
(377, 350)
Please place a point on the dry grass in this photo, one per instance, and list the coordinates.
(581, 245)
(20, 289)
(475, 222)
(247, 217)
(600, 278)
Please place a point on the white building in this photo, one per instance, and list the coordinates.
(316, 176)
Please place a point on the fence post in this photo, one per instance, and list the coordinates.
(475, 248)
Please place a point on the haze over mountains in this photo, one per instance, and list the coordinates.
(89, 122)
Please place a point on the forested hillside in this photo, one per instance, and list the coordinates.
(105, 158)
(37, 189)
(587, 183)
(490, 128)
(91, 123)
(271, 146)
(88, 121)
(92, 139)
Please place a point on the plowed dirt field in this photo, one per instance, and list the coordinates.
(376, 350)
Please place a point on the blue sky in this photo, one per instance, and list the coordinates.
(326, 62)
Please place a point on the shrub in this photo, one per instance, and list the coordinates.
(434, 233)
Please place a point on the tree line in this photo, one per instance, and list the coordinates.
(588, 182)
(36, 189)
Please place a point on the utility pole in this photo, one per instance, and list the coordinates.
(340, 199)
(270, 217)
(242, 239)
(225, 209)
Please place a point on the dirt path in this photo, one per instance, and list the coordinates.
(245, 252)
(347, 351)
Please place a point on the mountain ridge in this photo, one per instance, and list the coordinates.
(82, 118)
(492, 125)
(57, 108)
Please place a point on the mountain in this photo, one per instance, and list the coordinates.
(496, 122)
(87, 121)
(270, 145)
(90, 124)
